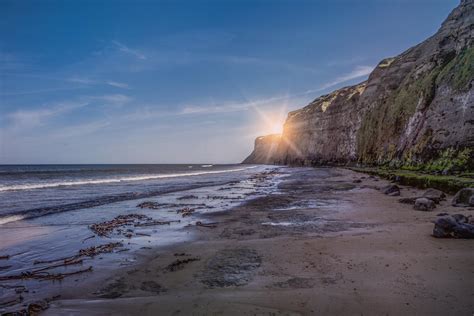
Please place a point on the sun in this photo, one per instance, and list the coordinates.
(276, 127)
(271, 121)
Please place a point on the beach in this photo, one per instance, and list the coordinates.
(326, 241)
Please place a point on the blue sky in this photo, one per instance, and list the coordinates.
(182, 81)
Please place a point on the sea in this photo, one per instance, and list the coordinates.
(28, 191)
(47, 212)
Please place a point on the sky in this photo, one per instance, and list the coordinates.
(182, 81)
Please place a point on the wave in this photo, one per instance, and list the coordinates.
(11, 218)
(34, 186)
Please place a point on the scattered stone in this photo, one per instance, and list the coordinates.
(410, 200)
(391, 190)
(105, 228)
(424, 204)
(434, 195)
(464, 197)
(188, 197)
(150, 205)
(454, 226)
(37, 307)
(180, 263)
(187, 211)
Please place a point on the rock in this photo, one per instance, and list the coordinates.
(460, 218)
(409, 200)
(35, 308)
(357, 181)
(391, 190)
(455, 226)
(434, 195)
(464, 197)
(424, 204)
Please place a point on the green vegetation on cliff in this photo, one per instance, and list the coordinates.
(449, 184)
(459, 71)
(381, 129)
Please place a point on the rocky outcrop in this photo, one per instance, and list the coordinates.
(264, 150)
(416, 108)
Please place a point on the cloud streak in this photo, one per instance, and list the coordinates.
(125, 49)
(27, 119)
(359, 71)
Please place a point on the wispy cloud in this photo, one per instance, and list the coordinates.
(26, 119)
(39, 91)
(359, 71)
(88, 81)
(125, 49)
(113, 99)
(227, 107)
(118, 84)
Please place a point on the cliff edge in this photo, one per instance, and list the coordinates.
(415, 109)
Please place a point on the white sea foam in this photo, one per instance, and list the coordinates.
(12, 218)
(32, 186)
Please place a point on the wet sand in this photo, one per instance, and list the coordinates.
(321, 244)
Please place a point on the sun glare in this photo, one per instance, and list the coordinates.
(273, 123)
(276, 128)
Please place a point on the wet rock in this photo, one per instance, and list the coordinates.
(424, 204)
(410, 200)
(434, 195)
(37, 307)
(115, 289)
(454, 226)
(464, 197)
(151, 286)
(231, 267)
(391, 190)
(179, 264)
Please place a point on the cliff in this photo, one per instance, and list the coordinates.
(415, 109)
(264, 150)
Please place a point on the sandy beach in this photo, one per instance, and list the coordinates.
(322, 244)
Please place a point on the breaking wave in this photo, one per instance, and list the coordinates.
(33, 186)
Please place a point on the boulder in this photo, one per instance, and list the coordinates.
(392, 190)
(408, 200)
(424, 204)
(434, 195)
(453, 226)
(464, 197)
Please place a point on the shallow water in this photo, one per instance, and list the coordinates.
(63, 234)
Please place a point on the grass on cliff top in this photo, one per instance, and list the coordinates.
(446, 183)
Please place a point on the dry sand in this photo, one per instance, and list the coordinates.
(324, 245)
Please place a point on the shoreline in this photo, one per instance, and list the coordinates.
(322, 244)
(62, 247)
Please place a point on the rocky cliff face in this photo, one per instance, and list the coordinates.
(415, 109)
(264, 150)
